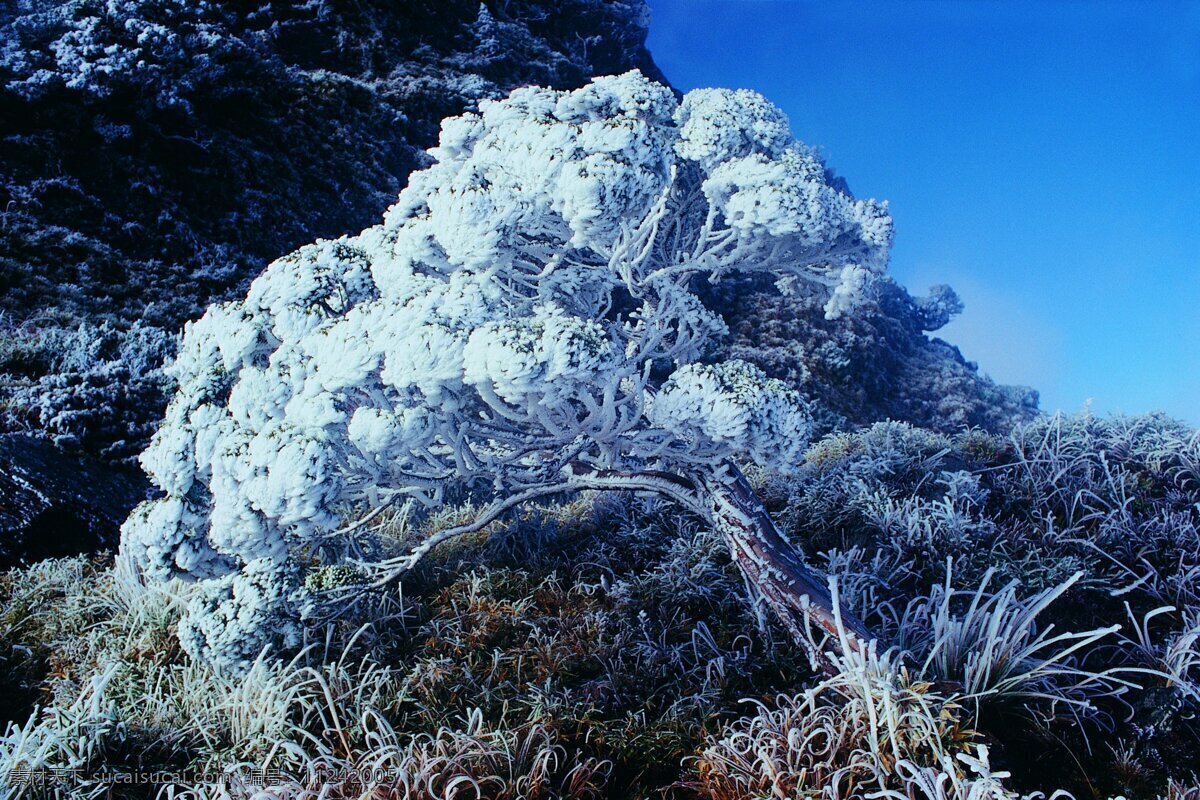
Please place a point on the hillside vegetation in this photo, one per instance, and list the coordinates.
(1036, 595)
(158, 153)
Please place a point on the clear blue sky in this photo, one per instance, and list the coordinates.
(1041, 157)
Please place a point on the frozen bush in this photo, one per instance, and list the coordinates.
(520, 325)
(100, 384)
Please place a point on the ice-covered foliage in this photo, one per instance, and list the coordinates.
(872, 730)
(1058, 495)
(99, 384)
(1102, 516)
(732, 405)
(507, 329)
(157, 153)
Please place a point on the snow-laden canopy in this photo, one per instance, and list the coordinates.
(523, 321)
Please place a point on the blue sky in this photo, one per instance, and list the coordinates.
(1041, 157)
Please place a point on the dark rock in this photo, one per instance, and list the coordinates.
(876, 364)
(56, 504)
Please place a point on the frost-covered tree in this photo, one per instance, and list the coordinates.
(524, 323)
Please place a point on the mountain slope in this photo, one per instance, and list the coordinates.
(157, 153)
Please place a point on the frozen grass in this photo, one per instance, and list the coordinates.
(599, 663)
(868, 731)
(990, 647)
(1005, 566)
(458, 762)
(604, 647)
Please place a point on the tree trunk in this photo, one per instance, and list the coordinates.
(799, 597)
(774, 569)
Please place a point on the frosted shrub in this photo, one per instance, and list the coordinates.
(522, 324)
(99, 384)
(879, 363)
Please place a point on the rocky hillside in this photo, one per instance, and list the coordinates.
(877, 364)
(157, 153)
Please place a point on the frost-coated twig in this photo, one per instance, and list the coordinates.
(776, 574)
(394, 568)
